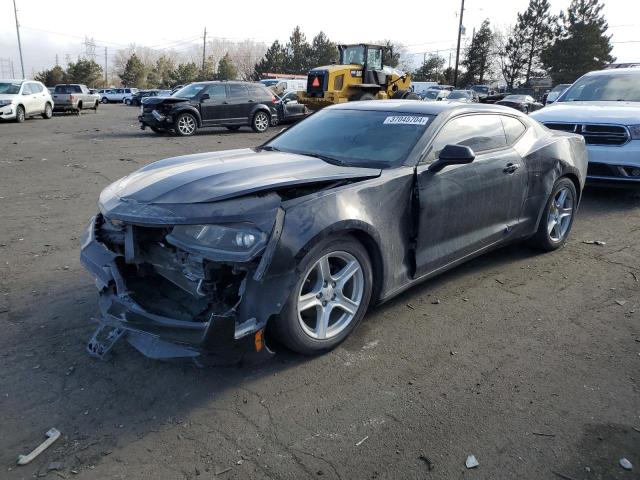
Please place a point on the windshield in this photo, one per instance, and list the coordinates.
(190, 91)
(432, 94)
(458, 94)
(353, 55)
(481, 89)
(355, 137)
(602, 88)
(10, 88)
(515, 98)
(560, 88)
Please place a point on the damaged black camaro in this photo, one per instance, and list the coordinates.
(195, 256)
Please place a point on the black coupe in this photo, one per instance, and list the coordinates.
(197, 255)
(524, 103)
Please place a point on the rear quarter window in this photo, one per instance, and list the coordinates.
(513, 129)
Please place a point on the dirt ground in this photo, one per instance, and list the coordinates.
(529, 361)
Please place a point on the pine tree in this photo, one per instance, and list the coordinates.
(226, 69)
(323, 51)
(477, 59)
(535, 29)
(186, 73)
(298, 52)
(134, 73)
(272, 62)
(582, 44)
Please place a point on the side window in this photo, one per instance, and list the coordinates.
(26, 89)
(513, 129)
(216, 91)
(36, 88)
(480, 132)
(77, 89)
(238, 91)
(120, 90)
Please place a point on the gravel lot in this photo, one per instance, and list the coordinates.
(530, 362)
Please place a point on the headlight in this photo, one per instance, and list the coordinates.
(4, 103)
(634, 130)
(219, 242)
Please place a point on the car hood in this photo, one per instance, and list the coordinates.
(216, 176)
(8, 96)
(625, 113)
(165, 100)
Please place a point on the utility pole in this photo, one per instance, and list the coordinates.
(455, 73)
(56, 59)
(15, 12)
(437, 61)
(204, 49)
(105, 66)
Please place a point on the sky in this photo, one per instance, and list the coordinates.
(49, 28)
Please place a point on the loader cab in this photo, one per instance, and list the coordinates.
(369, 56)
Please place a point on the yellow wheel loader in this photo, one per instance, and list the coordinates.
(360, 75)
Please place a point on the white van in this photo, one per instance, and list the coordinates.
(422, 87)
(297, 85)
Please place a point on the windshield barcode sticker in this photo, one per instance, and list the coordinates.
(406, 120)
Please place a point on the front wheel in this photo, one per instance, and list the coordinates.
(557, 217)
(186, 125)
(260, 122)
(20, 115)
(105, 100)
(48, 112)
(329, 299)
(127, 101)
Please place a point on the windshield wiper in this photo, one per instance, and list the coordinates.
(326, 158)
(269, 148)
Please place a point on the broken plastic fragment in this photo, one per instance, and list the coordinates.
(626, 464)
(471, 462)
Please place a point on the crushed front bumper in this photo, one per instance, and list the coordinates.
(221, 339)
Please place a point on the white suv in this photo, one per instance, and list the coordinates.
(604, 107)
(20, 99)
(118, 95)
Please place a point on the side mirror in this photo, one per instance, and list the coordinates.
(205, 96)
(453, 155)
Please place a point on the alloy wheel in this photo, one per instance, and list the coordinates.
(330, 295)
(560, 213)
(261, 121)
(186, 125)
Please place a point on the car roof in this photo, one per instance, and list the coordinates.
(615, 71)
(419, 107)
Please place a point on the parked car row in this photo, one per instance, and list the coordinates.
(117, 95)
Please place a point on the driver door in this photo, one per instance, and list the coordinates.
(214, 109)
(465, 208)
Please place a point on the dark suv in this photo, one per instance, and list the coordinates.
(210, 104)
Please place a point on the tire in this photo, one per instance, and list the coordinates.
(48, 111)
(185, 125)
(20, 115)
(104, 100)
(127, 101)
(233, 128)
(95, 107)
(300, 330)
(360, 97)
(79, 108)
(260, 121)
(405, 95)
(557, 217)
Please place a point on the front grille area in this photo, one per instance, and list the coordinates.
(595, 134)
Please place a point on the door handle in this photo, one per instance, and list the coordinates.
(510, 168)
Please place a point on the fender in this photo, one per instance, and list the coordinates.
(186, 107)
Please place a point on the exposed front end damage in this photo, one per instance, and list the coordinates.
(172, 299)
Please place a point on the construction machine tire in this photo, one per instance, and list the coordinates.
(358, 97)
(405, 95)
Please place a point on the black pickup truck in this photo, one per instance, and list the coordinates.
(210, 104)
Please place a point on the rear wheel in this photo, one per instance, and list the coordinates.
(186, 124)
(95, 106)
(20, 116)
(105, 100)
(233, 128)
(127, 101)
(48, 111)
(329, 299)
(557, 217)
(260, 122)
(79, 108)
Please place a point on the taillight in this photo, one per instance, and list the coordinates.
(71, 98)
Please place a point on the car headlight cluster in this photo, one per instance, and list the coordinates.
(4, 103)
(240, 241)
(634, 130)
